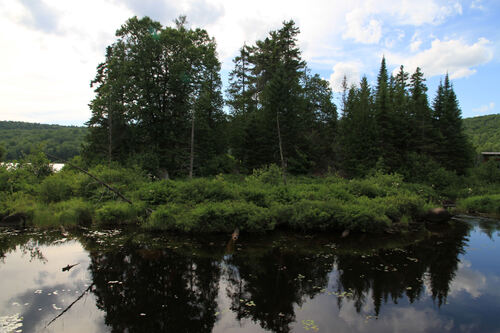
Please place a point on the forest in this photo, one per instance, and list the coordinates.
(484, 132)
(284, 156)
(22, 138)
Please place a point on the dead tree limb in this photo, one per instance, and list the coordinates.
(69, 306)
(93, 177)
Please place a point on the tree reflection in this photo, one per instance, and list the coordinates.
(395, 273)
(155, 290)
(275, 280)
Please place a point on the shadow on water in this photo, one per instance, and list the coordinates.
(155, 283)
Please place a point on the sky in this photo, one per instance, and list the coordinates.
(49, 49)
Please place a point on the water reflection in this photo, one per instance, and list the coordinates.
(280, 283)
(155, 290)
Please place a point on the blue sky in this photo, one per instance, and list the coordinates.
(50, 49)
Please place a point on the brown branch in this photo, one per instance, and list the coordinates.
(93, 177)
(69, 306)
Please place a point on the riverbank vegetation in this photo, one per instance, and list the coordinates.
(282, 157)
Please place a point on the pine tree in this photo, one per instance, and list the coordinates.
(385, 119)
(401, 117)
(358, 128)
(420, 116)
(454, 152)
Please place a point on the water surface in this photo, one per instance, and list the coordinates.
(445, 280)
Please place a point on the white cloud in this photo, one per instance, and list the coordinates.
(455, 57)
(364, 22)
(415, 45)
(484, 109)
(416, 41)
(50, 48)
(476, 4)
(361, 31)
(351, 70)
(467, 280)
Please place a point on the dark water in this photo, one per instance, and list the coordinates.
(446, 280)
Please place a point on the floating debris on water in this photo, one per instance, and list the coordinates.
(11, 323)
(310, 325)
(115, 282)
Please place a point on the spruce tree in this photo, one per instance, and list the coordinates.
(454, 152)
(401, 118)
(420, 116)
(385, 119)
(358, 132)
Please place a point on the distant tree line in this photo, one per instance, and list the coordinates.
(159, 105)
(21, 138)
(484, 132)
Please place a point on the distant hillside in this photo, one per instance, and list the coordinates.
(484, 132)
(20, 137)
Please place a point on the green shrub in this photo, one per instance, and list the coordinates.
(166, 217)
(202, 189)
(485, 204)
(212, 217)
(270, 174)
(159, 192)
(487, 172)
(118, 212)
(67, 213)
(57, 187)
(313, 214)
(124, 180)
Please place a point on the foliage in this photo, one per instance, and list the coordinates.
(485, 204)
(20, 138)
(118, 212)
(67, 213)
(156, 84)
(484, 132)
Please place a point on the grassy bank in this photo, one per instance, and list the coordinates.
(254, 203)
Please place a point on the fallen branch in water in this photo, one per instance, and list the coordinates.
(67, 268)
(69, 306)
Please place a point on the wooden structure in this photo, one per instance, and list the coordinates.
(490, 155)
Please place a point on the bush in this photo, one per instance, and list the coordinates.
(122, 179)
(118, 212)
(487, 172)
(165, 217)
(270, 174)
(202, 189)
(67, 213)
(159, 192)
(485, 204)
(58, 187)
(212, 217)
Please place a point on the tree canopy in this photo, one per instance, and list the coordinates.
(159, 104)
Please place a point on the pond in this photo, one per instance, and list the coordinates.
(443, 280)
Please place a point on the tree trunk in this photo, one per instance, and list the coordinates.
(191, 159)
(283, 165)
(110, 137)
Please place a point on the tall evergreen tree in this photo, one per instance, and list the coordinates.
(401, 118)
(385, 119)
(422, 133)
(454, 152)
(358, 131)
